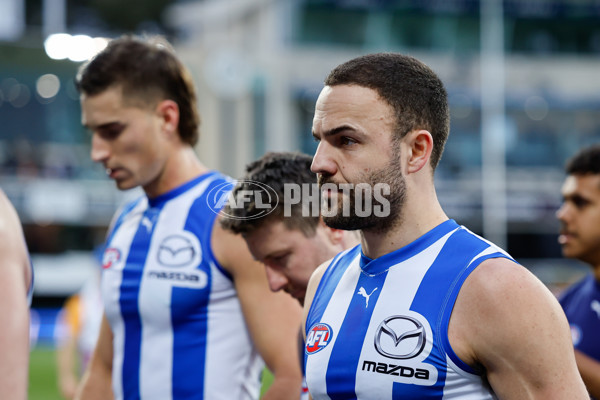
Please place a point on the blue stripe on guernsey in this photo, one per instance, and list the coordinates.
(123, 214)
(451, 299)
(334, 272)
(178, 328)
(427, 302)
(189, 344)
(132, 272)
(343, 362)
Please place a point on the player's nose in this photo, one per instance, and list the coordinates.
(276, 279)
(322, 162)
(100, 149)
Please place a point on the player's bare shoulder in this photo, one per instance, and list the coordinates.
(499, 301)
(228, 248)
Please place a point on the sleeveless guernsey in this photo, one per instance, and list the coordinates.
(179, 331)
(377, 329)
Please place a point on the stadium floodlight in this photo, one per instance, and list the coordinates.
(82, 48)
(57, 46)
(77, 48)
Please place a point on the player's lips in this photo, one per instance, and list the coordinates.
(114, 173)
(565, 237)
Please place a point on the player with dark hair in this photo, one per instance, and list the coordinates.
(188, 313)
(291, 240)
(423, 308)
(291, 246)
(579, 217)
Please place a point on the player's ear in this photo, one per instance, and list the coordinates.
(168, 111)
(419, 144)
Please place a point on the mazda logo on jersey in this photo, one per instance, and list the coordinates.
(179, 250)
(400, 337)
(319, 336)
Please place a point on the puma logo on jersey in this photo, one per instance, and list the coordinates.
(595, 306)
(147, 223)
(364, 294)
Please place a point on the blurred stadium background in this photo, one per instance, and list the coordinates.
(523, 78)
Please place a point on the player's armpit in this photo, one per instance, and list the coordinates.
(273, 319)
(508, 322)
(96, 383)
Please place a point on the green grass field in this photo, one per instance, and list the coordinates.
(42, 375)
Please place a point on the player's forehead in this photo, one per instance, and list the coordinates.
(272, 236)
(585, 185)
(341, 105)
(109, 105)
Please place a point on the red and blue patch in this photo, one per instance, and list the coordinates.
(110, 257)
(318, 337)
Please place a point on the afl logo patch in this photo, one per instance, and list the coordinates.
(110, 257)
(319, 336)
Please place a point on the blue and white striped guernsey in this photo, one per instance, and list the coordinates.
(377, 329)
(178, 327)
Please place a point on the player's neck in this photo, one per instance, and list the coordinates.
(416, 219)
(182, 166)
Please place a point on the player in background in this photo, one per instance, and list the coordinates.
(188, 313)
(290, 246)
(579, 238)
(289, 243)
(423, 308)
(16, 287)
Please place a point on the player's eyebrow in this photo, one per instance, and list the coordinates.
(332, 132)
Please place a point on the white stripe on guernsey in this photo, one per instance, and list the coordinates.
(334, 315)
(157, 346)
(224, 312)
(406, 275)
(489, 250)
(111, 295)
(456, 388)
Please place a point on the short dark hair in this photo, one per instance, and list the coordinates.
(585, 161)
(411, 88)
(148, 71)
(274, 169)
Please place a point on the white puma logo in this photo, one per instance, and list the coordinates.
(595, 305)
(147, 223)
(364, 294)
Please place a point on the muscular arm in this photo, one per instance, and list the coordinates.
(14, 310)
(96, 383)
(272, 318)
(506, 321)
(589, 369)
